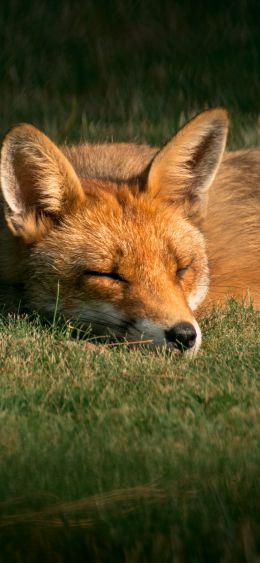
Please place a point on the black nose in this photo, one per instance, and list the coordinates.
(182, 335)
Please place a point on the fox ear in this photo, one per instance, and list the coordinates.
(184, 169)
(38, 183)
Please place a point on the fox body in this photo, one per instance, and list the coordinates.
(133, 240)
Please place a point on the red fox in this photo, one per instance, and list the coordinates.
(134, 239)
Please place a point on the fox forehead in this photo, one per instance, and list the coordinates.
(115, 223)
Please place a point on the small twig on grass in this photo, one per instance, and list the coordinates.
(56, 305)
(109, 345)
(92, 346)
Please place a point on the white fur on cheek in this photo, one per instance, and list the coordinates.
(196, 347)
(199, 293)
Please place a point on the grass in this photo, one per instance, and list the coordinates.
(110, 453)
(130, 70)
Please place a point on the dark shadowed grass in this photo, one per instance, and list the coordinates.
(129, 69)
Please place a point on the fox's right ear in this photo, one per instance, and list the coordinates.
(38, 183)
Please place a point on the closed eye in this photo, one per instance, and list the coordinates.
(181, 271)
(112, 275)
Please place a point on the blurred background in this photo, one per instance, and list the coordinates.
(129, 69)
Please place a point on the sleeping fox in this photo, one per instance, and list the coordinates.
(132, 239)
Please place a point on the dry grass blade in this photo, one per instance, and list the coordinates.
(132, 343)
(150, 493)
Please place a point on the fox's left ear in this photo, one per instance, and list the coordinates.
(38, 183)
(183, 170)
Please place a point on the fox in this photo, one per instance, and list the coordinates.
(134, 241)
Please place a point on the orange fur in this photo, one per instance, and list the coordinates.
(133, 235)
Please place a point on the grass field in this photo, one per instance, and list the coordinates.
(130, 455)
(110, 453)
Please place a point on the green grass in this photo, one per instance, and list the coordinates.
(110, 453)
(124, 453)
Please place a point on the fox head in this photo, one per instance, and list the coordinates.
(129, 260)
